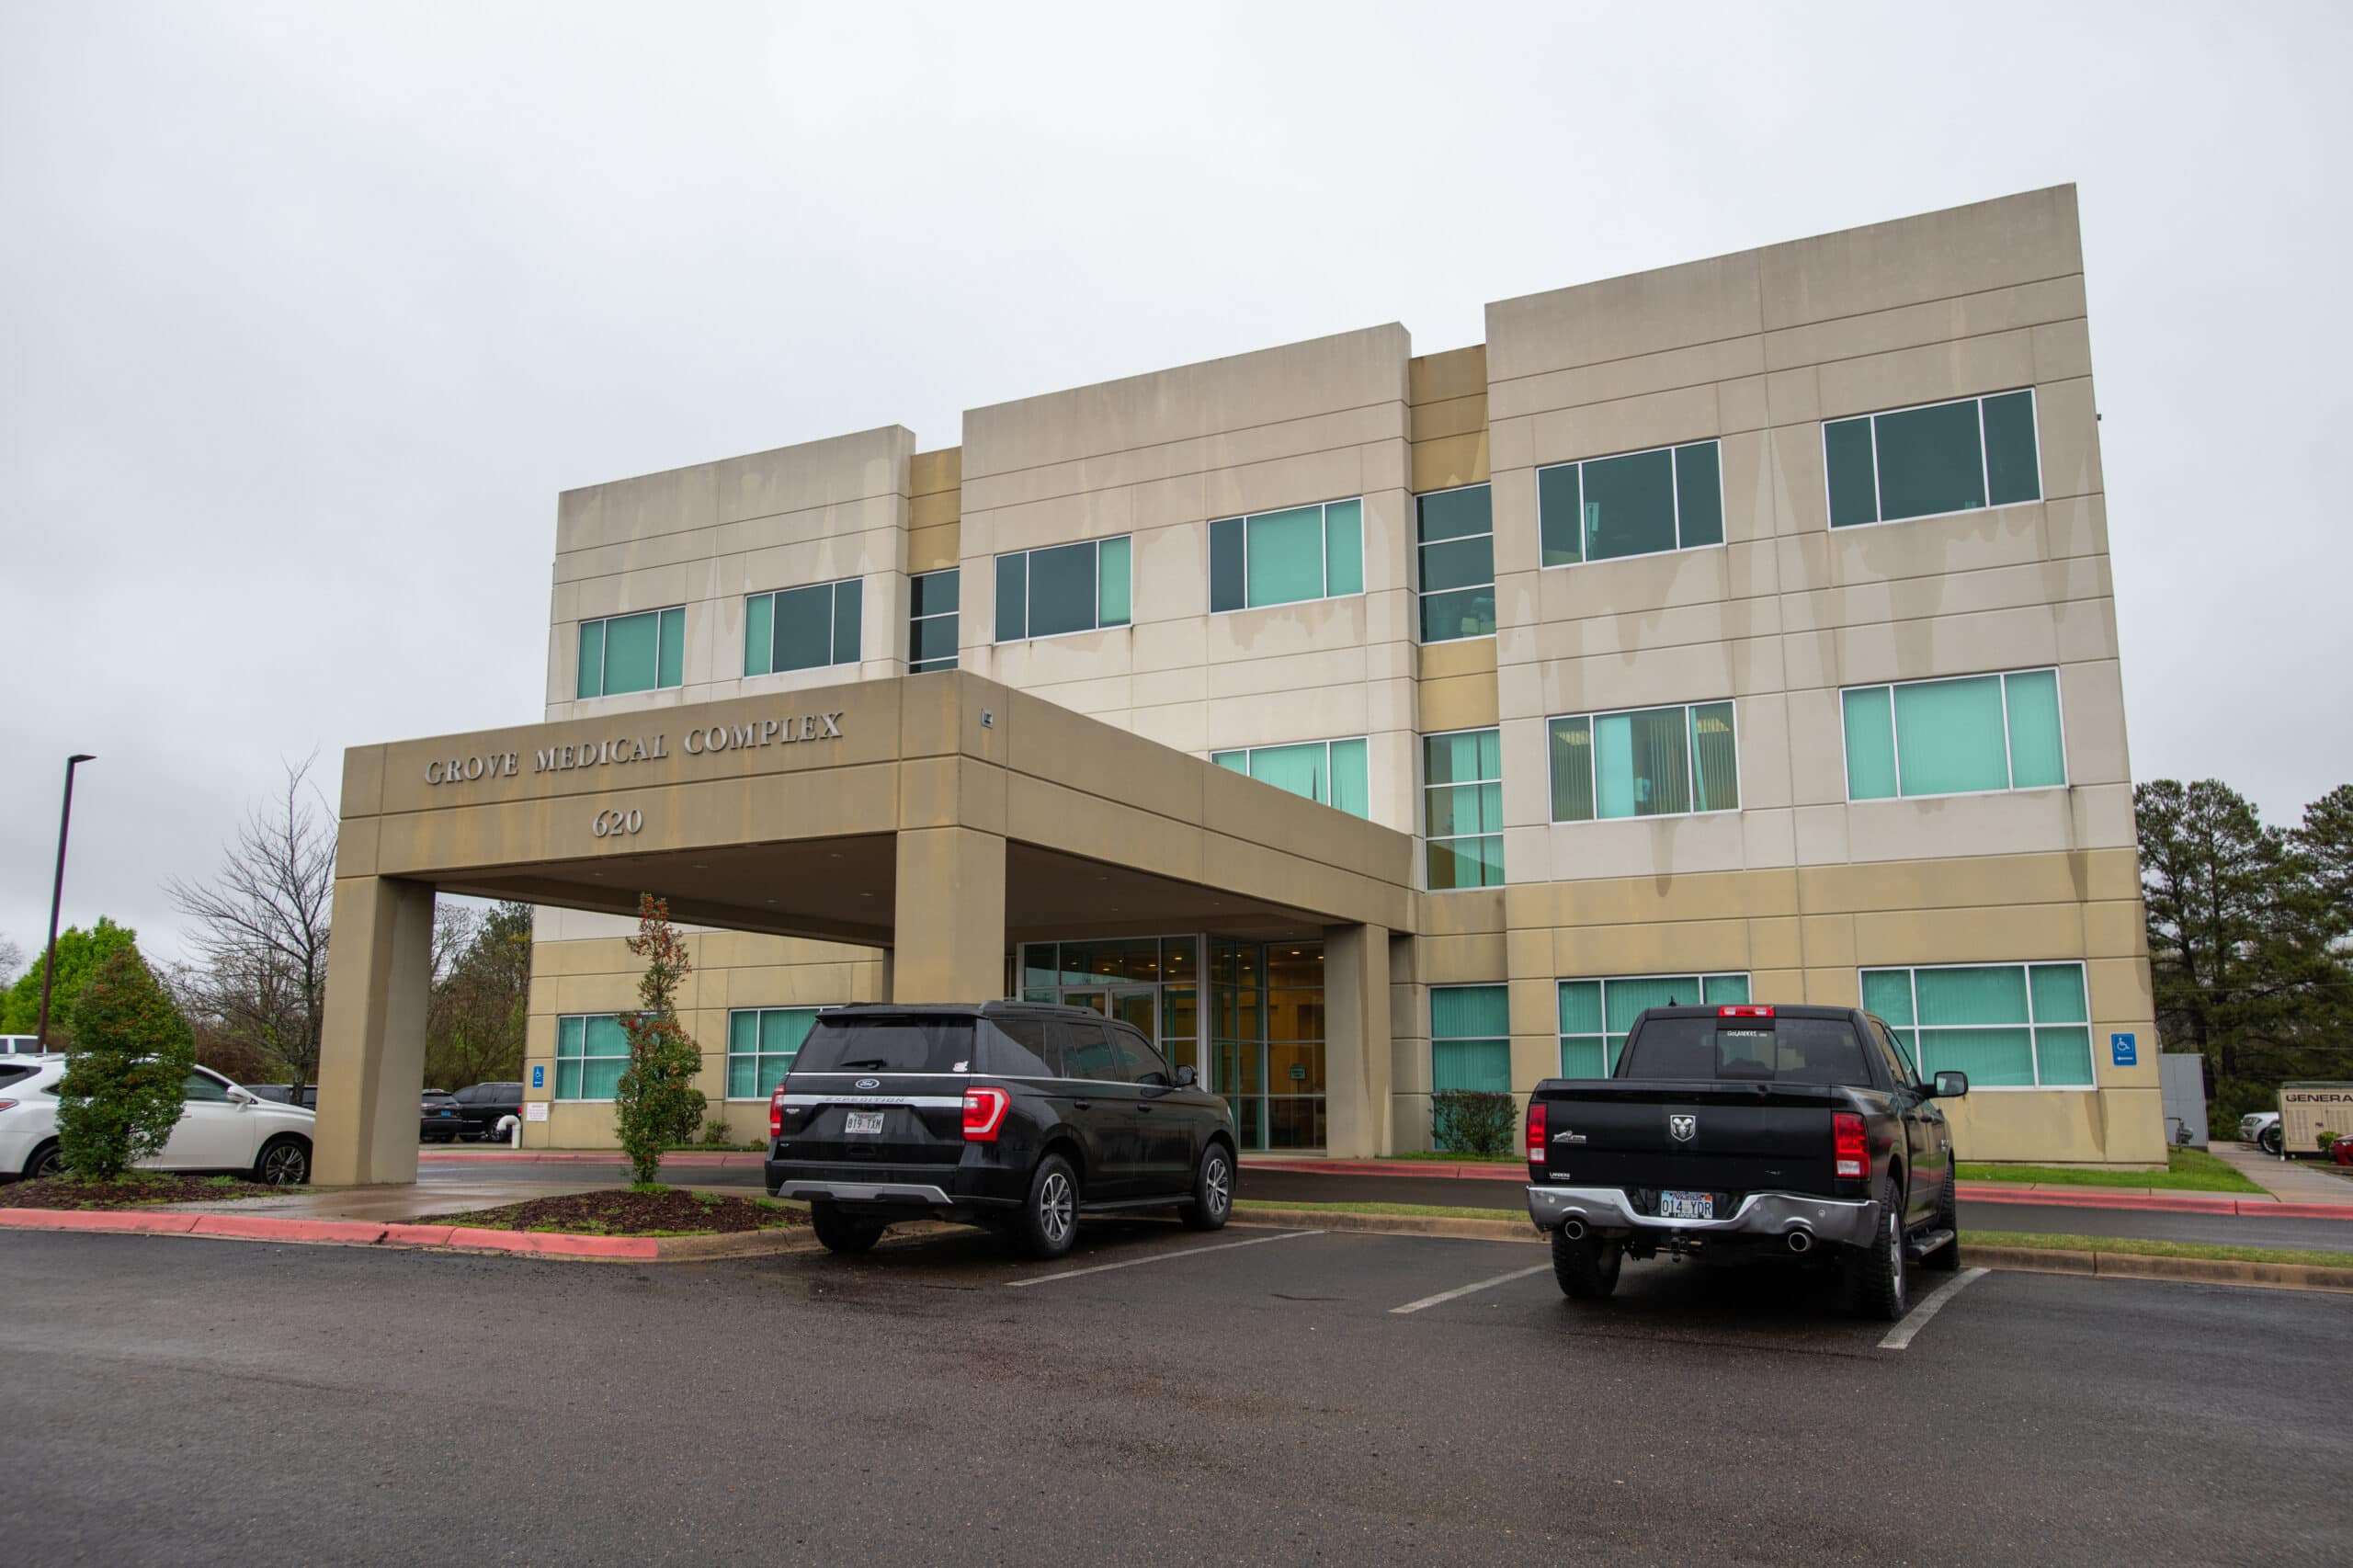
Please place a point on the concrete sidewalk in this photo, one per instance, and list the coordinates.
(2290, 1181)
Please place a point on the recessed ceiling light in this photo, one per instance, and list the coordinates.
(866, 895)
(771, 900)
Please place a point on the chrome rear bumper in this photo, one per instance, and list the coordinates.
(906, 1194)
(1762, 1216)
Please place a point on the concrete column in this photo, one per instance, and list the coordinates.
(949, 943)
(1357, 1063)
(371, 1060)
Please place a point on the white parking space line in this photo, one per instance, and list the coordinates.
(1467, 1290)
(1930, 1305)
(1158, 1257)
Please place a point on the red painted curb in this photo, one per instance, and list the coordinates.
(416, 1236)
(269, 1228)
(571, 1156)
(545, 1242)
(2301, 1210)
(97, 1220)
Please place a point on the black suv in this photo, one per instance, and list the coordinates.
(484, 1105)
(1012, 1115)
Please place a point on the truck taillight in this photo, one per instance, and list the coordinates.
(1743, 1012)
(1848, 1149)
(776, 1112)
(984, 1113)
(1535, 1133)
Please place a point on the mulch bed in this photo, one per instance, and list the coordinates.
(140, 1189)
(671, 1211)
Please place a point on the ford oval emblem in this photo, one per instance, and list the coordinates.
(870, 1083)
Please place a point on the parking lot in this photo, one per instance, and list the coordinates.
(1255, 1396)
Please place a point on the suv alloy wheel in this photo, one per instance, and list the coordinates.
(1212, 1202)
(1048, 1220)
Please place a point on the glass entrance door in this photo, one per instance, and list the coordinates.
(1137, 1004)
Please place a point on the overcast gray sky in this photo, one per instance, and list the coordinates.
(307, 312)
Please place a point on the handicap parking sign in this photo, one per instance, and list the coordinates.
(539, 1076)
(2123, 1049)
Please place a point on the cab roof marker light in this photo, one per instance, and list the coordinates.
(1743, 1012)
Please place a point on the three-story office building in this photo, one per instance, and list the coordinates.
(1737, 631)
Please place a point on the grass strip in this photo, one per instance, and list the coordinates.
(2140, 1246)
(2185, 1170)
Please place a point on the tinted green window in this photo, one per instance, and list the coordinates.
(1560, 511)
(759, 634)
(761, 1044)
(848, 618)
(801, 629)
(1332, 772)
(1012, 598)
(1950, 737)
(1061, 589)
(1114, 582)
(931, 621)
(1344, 547)
(1470, 1039)
(1652, 762)
(1598, 1014)
(591, 1050)
(1285, 562)
(1463, 808)
(1279, 558)
(1455, 530)
(2008, 1025)
(1920, 462)
(804, 628)
(1634, 503)
(1854, 483)
(1069, 587)
(623, 654)
(1229, 564)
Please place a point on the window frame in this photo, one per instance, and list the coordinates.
(728, 1056)
(2026, 968)
(833, 623)
(1243, 752)
(555, 1084)
(1422, 807)
(1895, 740)
(1436, 1039)
(1028, 636)
(925, 666)
(1747, 977)
(1984, 458)
(1675, 479)
(1692, 759)
(1421, 592)
(605, 642)
(1324, 527)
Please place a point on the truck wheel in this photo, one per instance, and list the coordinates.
(1048, 1220)
(1588, 1270)
(1947, 1258)
(1875, 1283)
(2268, 1139)
(836, 1231)
(1212, 1191)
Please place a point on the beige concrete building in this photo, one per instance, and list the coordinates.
(1741, 630)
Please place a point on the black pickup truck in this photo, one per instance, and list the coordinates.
(1739, 1133)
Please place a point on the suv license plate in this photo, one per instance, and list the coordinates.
(1687, 1205)
(862, 1121)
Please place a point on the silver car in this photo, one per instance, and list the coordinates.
(2261, 1128)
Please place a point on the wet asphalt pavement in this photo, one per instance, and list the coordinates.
(1255, 1396)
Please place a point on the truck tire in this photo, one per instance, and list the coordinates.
(1875, 1282)
(1049, 1221)
(1947, 1258)
(1212, 1201)
(1588, 1270)
(2268, 1139)
(836, 1231)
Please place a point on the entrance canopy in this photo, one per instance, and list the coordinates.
(940, 816)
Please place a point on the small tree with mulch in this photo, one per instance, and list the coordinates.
(656, 1103)
(127, 1074)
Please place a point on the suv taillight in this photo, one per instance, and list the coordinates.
(1535, 1133)
(775, 1113)
(1848, 1149)
(984, 1113)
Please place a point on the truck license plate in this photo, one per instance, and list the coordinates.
(862, 1121)
(1687, 1205)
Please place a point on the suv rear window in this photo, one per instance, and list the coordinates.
(886, 1045)
(1748, 1051)
(12, 1071)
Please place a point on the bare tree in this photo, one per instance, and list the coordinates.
(260, 927)
(12, 963)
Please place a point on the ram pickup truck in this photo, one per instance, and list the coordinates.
(1746, 1132)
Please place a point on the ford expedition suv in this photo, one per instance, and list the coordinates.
(1730, 1133)
(1015, 1116)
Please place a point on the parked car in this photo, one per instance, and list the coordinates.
(1736, 1133)
(2261, 1129)
(441, 1120)
(485, 1107)
(222, 1127)
(1015, 1116)
(284, 1094)
(20, 1045)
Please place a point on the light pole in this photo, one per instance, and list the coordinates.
(57, 893)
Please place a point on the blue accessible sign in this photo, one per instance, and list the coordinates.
(539, 1072)
(2124, 1049)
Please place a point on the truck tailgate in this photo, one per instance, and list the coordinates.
(1731, 1138)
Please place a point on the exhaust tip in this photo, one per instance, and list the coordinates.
(1573, 1227)
(1801, 1242)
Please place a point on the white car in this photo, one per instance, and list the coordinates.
(221, 1127)
(2261, 1128)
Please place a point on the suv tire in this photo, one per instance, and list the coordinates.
(1875, 1276)
(1588, 1270)
(46, 1161)
(836, 1231)
(2269, 1140)
(1947, 1258)
(1212, 1202)
(284, 1161)
(1049, 1221)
